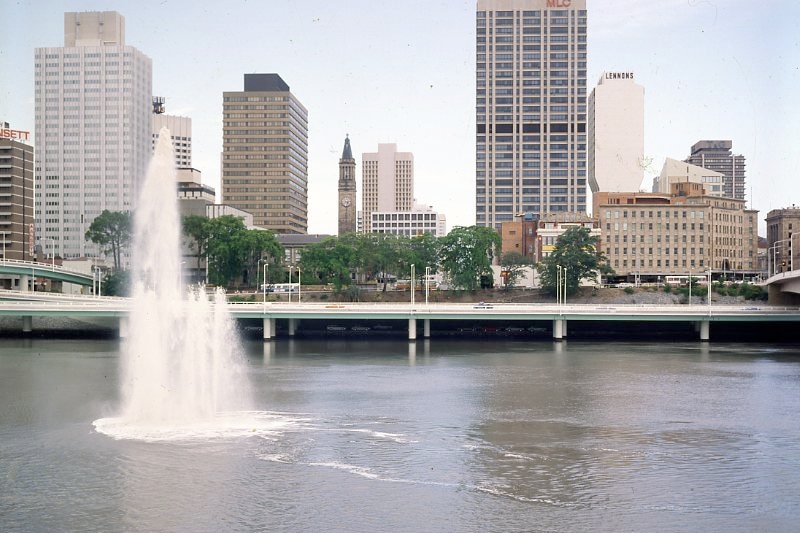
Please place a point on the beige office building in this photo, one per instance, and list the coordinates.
(387, 182)
(180, 131)
(265, 154)
(653, 235)
(675, 171)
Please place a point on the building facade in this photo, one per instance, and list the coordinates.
(180, 131)
(783, 244)
(616, 133)
(93, 129)
(16, 194)
(265, 154)
(653, 235)
(387, 182)
(674, 172)
(551, 226)
(531, 138)
(418, 221)
(520, 236)
(347, 190)
(717, 156)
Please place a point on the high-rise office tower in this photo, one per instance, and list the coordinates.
(717, 156)
(616, 134)
(93, 129)
(530, 108)
(180, 131)
(16, 194)
(387, 182)
(347, 190)
(265, 154)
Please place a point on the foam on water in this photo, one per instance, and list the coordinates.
(182, 368)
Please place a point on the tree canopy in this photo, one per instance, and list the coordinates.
(466, 254)
(112, 230)
(575, 253)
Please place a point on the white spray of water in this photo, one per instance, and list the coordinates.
(182, 370)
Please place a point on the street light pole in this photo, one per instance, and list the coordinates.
(289, 295)
(690, 286)
(52, 255)
(299, 283)
(264, 282)
(427, 280)
(412, 284)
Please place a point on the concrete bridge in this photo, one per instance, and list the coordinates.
(555, 317)
(784, 288)
(29, 270)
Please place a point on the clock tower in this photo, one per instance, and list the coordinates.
(347, 190)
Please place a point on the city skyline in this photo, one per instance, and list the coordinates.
(708, 73)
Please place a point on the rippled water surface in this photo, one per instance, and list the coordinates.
(439, 436)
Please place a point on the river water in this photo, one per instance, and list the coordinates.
(432, 436)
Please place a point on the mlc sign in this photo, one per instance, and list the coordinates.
(559, 3)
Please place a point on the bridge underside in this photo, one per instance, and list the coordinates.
(779, 295)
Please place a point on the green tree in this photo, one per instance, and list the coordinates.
(226, 249)
(259, 246)
(466, 253)
(197, 231)
(576, 251)
(331, 260)
(423, 254)
(117, 284)
(112, 231)
(513, 264)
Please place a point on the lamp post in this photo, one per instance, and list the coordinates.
(289, 292)
(52, 255)
(299, 283)
(427, 281)
(709, 290)
(564, 294)
(690, 286)
(412, 284)
(558, 286)
(264, 282)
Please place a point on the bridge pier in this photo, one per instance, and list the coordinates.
(412, 329)
(23, 283)
(426, 328)
(292, 326)
(123, 327)
(564, 328)
(27, 324)
(704, 330)
(558, 333)
(269, 328)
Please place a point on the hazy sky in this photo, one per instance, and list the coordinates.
(403, 71)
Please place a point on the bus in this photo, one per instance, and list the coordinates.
(281, 287)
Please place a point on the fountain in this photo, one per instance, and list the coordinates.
(182, 371)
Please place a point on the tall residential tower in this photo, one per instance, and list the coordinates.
(265, 154)
(93, 129)
(530, 108)
(717, 156)
(387, 182)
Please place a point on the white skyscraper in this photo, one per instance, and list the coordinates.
(93, 129)
(616, 134)
(387, 182)
(530, 108)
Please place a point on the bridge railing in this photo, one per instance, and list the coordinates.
(43, 266)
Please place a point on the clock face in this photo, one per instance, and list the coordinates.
(346, 201)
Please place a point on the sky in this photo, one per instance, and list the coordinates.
(403, 71)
